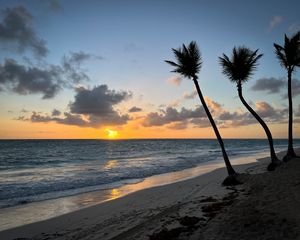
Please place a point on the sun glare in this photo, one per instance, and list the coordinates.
(111, 134)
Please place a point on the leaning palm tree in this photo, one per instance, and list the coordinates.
(238, 69)
(188, 65)
(289, 58)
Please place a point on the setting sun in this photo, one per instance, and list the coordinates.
(111, 134)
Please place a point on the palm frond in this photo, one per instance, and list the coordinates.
(288, 55)
(241, 65)
(188, 60)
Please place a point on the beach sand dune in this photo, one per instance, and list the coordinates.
(266, 206)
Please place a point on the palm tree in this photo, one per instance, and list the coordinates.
(238, 69)
(289, 58)
(188, 64)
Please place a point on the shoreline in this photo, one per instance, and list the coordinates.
(33, 212)
(139, 205)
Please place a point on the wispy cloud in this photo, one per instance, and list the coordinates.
(174, 80)
(275, 21)
(190, 95)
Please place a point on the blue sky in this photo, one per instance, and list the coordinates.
(129, 41)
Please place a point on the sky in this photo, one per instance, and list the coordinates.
(95, 69)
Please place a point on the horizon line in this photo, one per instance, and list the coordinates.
(120, 139)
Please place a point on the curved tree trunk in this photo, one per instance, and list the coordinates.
(274, 158)
(230, 169)
(290, 152)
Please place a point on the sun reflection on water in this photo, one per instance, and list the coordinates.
(110, 164)
(115, 193)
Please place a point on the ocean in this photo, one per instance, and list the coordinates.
(41, 170)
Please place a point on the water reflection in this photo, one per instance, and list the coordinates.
(115, 193)
(110, 164)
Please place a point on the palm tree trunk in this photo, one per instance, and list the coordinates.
(230, 169)
(290, 153)
(274, 158)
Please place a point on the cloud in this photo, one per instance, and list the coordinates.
(275, 21)
(47, 80)
(97, 101)
(181, 119)
(226, 115)
(295, 88)
(91, 108)
(55, 113)
(17, 28)
(68, 119)
(213, 106)
(297, 113)
(271, 85)
(190, 95)
(170, 115)
(263, 109)
(174, 80)
(134, 109)
(72, 66)
(266, 111)
(276, 85)
(28, 80)
(178, 125)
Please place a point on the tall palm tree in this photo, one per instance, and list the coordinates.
(238, 69)
(289, 58)
(188, 64)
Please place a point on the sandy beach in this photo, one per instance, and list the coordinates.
(264, 207)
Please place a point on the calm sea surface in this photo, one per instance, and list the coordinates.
(37, 170)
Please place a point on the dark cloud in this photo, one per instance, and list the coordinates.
(91, 108)
(29, 80)
(134, 109)
(47, 80)
(55, 113)
(17, 28)
(98, 101)
(68, 119)
(276, 85)
(171, 115)
(271, 85)
(295, 88)
(226, 115)
(73, 119)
